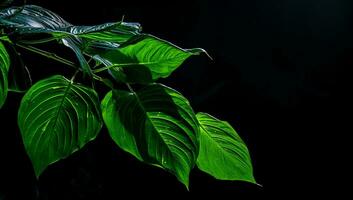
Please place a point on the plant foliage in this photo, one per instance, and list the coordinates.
(153, 122)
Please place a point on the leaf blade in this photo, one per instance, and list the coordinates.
(116, 32)
(156, 125)
(148, 56)
(222, 154)
(51, 120)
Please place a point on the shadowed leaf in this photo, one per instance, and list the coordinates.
(156, 125)
(4, 69)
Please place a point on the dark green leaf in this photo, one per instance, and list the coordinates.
(32, 19)
(116, 73)
(4, 69)
(19, 76)
(223, 154)
(73, 43)
(156, 125)
(147, 58)
(56, 118)
(118, 32)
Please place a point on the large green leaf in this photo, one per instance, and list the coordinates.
(56, 118)
(146, 58)
(223, 154)
(156, 125)
(4, 69)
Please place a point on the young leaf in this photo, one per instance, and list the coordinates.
(147, 56)
(56, 118)
(156, 125)
(223, 154)
(4, 69)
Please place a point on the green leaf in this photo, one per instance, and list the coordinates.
(56, 118)
(156, 125)
(146, 58)
(4, 69)
(223, 154)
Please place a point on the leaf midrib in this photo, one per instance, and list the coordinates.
(61, 104)
(218, 145)
(154, 126)
(118, 65)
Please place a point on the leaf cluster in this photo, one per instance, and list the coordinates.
(153, 122)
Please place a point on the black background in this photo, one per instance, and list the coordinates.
(279, 75)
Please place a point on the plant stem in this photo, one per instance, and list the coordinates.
(130, 88)
(74, 76)
(59, 59)
(49, 55)
(120, 65)
(40, 41)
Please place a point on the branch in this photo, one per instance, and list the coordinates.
(49, 55)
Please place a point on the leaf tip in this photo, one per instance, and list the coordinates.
(184, 179)
(198, 51)
(208, 55)
(186, 184)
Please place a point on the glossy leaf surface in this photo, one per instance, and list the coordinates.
(56, 118)
(32, 19)
(147, 58)
(156, 125)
